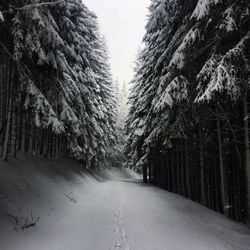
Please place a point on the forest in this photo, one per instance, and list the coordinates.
(56, 91)
(178, 135)
(188, 126)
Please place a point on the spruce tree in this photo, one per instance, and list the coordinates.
(64, 80)
(187, 112)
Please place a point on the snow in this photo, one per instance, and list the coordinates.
(176, 91)
(229, 22)
(105, 209)
(221, 72)
(203, 8)
(1, 17)
(44, 115)
(178, 59)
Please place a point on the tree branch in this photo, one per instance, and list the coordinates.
(38, 5)
(34, 5)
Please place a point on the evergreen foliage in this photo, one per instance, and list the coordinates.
(55, 82)
(188, 126)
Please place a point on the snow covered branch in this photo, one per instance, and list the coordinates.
(58, 48)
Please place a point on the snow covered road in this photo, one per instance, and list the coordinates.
(119, 212)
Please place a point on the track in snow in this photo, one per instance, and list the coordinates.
(118, 213)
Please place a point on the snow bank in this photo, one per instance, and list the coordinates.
(40, 188)
(105, 209)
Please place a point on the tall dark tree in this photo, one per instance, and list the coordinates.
(56, 82)
(188, 127)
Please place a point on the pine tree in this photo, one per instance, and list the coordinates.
(63, 80)
(186, 111)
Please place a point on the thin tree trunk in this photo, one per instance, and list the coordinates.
(247, 151)
(224, 194)
(9, 115)
(187, 171)
(145, 178)
(203, 196)
(184, 188)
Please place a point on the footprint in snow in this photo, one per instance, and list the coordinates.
(118, 245)
(116, 230)
(123, 234)
(120, 224)
(119, 230)
(127, 247)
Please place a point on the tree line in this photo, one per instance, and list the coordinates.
(56, 88)
(188, 125)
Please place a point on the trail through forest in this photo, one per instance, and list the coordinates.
(105, 210)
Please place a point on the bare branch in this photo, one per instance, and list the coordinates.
(28, 222)
(39, 5)
(70, 198)
(29, 6)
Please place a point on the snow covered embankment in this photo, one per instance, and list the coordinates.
(102, 210)
(55, 204)
(36, 193)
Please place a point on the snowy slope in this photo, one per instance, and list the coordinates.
(102, 210)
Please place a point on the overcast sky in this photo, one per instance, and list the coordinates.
(122, 22)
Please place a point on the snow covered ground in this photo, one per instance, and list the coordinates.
(103, 210)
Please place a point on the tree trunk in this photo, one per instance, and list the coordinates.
(224, 192)
(187, 171)
(9, 116)
(247, 152)
(202, 181)
(145, 178)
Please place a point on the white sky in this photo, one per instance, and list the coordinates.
(122, 22)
